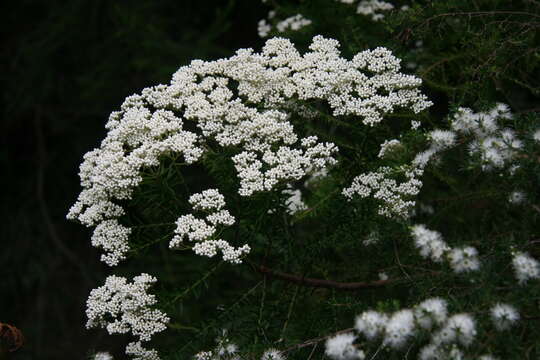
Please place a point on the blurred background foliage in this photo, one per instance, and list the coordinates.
(67, 65)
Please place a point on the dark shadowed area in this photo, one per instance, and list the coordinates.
(66, 66)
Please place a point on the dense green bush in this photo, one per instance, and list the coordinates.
(447, 211)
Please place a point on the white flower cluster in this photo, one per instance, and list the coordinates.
(465, 259)
(496, 147)
(536, 135)
(250, 119)
(287, 164)
(370, 7)
(395, 197)
(292, 23)
(203, 231)
(431, 245)
(136, 350)
(525, 267)
(113, 238)
(397, 329)
(373, 8)
(123, 307)
(102, 356)
(341, 347)
(398, 198)
(430, 317)
(264, 27)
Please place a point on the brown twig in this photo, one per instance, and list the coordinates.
(321, 283)
(477, 13)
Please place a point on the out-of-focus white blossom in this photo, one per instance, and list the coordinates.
(525, 267)
(431, 245)
(459, 328)
(442, 139)
(429, 242)
(273, 354)
(292, 23)
(341, 347)
(464, 259)
(431, 312)
(371, 323)
(495, 146)
(504, 316)
(517, 197)
(102, 356)
(399, 329)
(371, 8)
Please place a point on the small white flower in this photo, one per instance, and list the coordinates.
(272, 354)
(487, 357)
(517, 197)
(102, 356)
(399, 328)
(504, 316)
(372, 7)
(459, 327)
(341, 347)
(430, 312)
(536, 135)
(525, 267)
(442, 139)
(414, 124)
(429, 242)
(464, 259)
(293, 23)
(371, 323)
(430, 352)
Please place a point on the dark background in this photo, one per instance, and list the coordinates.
(65, 66)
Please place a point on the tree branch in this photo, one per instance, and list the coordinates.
(321, 283)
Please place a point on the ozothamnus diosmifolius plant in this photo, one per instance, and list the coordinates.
(311, 204)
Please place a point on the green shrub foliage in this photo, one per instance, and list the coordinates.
(366, 189)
